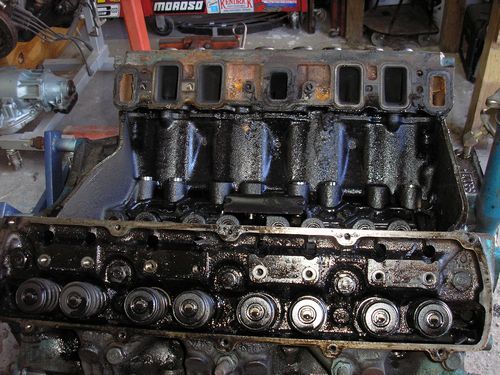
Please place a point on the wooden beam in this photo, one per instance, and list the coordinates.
(451, 25)
(488, 79)
(354, 21)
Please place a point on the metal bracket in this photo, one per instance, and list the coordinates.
(7, 210)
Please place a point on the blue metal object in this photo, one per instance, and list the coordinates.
(55, 175)
(488, 205)
(53, 167)
(7, 210)
(54, 146)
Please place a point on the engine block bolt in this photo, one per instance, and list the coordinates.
(226, 365)
(28, 328)
(115, 356)
(118, 271)
(18, 259)
(248, 87)
(433, 318)
(147, 216)
(256, 311)
(346, 283)
(342, 367)
(341, 316)
(307, 314)
(44, 260)
(230, 278)
(121, 336)
(118, 276)
(87, 262)
(454, 361)
(379, 316)
(462, 280)
(308, 87)
(150, 266)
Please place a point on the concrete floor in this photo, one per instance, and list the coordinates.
(22, 188)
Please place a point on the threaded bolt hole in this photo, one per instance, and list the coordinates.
(48, 237)
(380, 252)
(429, 251)
(152, 241)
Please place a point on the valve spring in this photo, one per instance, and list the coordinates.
(146, 305)
(37, 295)
(81, 300)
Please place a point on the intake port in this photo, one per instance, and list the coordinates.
(81, 300)
(395, 92)
(278, 86)
(349, 85)
(167, 83)
(36, 295)
(209, 84)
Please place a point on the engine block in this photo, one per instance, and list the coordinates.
(263, 212)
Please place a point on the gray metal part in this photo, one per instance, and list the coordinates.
(15, 114)
(26, 93)
(39, 85)
(109, 184)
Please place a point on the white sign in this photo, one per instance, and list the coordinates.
(236, 6)
(108, 10)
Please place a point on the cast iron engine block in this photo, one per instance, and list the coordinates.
(264, 212)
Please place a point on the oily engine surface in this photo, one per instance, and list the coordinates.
(262, 212)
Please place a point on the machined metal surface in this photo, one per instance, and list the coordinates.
(257, 312)
(307, 314)
(433, 318)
